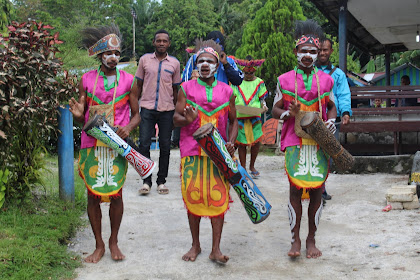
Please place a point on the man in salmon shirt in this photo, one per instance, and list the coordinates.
(158, 77)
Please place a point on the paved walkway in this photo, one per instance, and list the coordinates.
(154, 234)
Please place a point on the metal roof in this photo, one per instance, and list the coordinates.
(374, 24)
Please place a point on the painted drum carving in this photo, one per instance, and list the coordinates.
(314, 126)
(210, 140)
(99, 128)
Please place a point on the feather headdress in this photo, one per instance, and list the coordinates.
(101, 39)
(249, 64)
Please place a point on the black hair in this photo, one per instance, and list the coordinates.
(248, 57)
(325, 39)
(406, 79)
(308, 27)
(216, 36)
(91, 35)
(160, 31)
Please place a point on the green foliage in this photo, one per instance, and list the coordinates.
(3, 180)
(146, 14)
(130, 68)
(374, 64)
(311, 12)
(26, 163)
(370, 67)
(412, 57)
(6, 14)
(30, 91)
(70, 52)
(70, 19)
(352, 63)
(270, 36)
(185, 21)
(377, 64)
(34, 237)
(234, 15)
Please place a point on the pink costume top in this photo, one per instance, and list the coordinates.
(104, 95)
(307, 96)
(212, 103)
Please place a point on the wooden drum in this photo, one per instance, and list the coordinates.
(255, 204)
(98, 127)
(315, 127)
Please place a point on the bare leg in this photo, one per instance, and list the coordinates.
(95, 218)
(314, 213)
(295, 216)
(116, 211)
(217, 226)
(194, 222)
(254, 153)
(242, 155)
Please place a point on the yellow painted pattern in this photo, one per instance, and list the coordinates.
(204, 190)
(248, 131)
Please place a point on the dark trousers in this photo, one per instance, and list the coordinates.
(149, 118)
(176, 134)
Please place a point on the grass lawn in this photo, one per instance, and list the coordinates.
(34, 236)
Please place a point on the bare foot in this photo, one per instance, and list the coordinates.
(192, 254)
(311, 250)
(96, 256)
(217, 256)
(295, 249)
(116, 254)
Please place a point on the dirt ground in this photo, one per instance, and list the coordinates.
(357, 239)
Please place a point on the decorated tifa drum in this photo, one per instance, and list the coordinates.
(255, 204)
(315, 127)
(99, 128)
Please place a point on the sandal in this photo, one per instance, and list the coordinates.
(255, 174)
(145, 189)
(162, 189)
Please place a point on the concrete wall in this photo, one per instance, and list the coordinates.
(400, 164)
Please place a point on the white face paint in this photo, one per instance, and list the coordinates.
(205, 62)
(107, 58)
(314, 57)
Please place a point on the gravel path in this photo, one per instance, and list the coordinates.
(154, 233)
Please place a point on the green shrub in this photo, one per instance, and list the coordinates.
(3, 180)
(35, 235)
(32, 86)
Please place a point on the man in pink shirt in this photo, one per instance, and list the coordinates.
(158, 77)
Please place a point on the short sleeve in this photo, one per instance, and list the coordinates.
(262, 91)
(140, 69)
(176, 78)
